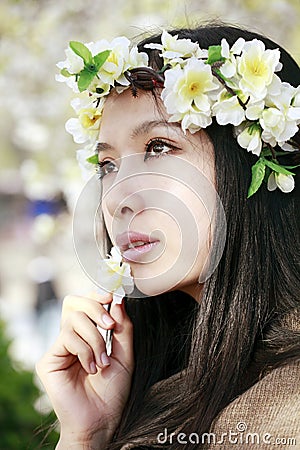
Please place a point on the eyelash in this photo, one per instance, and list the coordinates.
(161, 142)
(104, 165)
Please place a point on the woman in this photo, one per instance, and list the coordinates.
(210, 357)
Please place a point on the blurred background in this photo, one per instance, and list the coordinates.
(39, 177)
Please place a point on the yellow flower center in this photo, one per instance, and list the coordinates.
(258, 68)
(88, 119)
(113, 58)
(194, 87)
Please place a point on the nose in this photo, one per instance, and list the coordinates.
(124, 198)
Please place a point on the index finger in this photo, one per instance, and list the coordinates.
(81, 303)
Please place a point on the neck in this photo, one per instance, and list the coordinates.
(194, 290)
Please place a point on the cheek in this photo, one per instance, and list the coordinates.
(185, 227)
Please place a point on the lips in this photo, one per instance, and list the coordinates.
(133, 244)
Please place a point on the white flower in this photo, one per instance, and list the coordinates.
(73, 64)
(286, 147)
(117, 62)
(228, 109)
(137, 59)
(276, 126)
(256, 67)
(187, 89)
(281, 117)
(86, 127)
(254, 110)
(115, 277)
(173, 48)
(286, 183)
(294, 110)
(274, 89)
(69, 81)
(282, 98)
(228, 69)
(250, 139)
(192, 120)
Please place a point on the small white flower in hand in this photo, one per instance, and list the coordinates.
(115, 277)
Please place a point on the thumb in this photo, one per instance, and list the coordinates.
(122, 344)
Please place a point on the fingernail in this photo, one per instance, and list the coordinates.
(107, 319)
(105, 359)
(93, 368)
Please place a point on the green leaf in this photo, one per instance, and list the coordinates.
(214, 54)
(93, 159)
(101, 58)
(291, 167)
(277, 168)
(82, 51)
(66, 73)
(258, 174)
(85, 79)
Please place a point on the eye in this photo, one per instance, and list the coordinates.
(106, 167)
(157, 148)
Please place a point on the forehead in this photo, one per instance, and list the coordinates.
(124, 111)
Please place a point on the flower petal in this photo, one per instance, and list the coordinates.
(286, 183)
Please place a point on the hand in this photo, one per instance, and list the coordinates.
(88, 389)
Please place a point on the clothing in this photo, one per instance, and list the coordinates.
(267, 411)
(270, 408)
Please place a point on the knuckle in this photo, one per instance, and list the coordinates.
(67, 305)
(68, 300)
(86, 353)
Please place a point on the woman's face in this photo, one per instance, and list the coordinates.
(158, 195)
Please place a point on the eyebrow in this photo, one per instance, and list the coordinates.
(140, 129)
(145, 127)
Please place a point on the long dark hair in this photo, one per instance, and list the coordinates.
(238, 331)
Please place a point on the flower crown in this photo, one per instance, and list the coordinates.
(236, 85)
